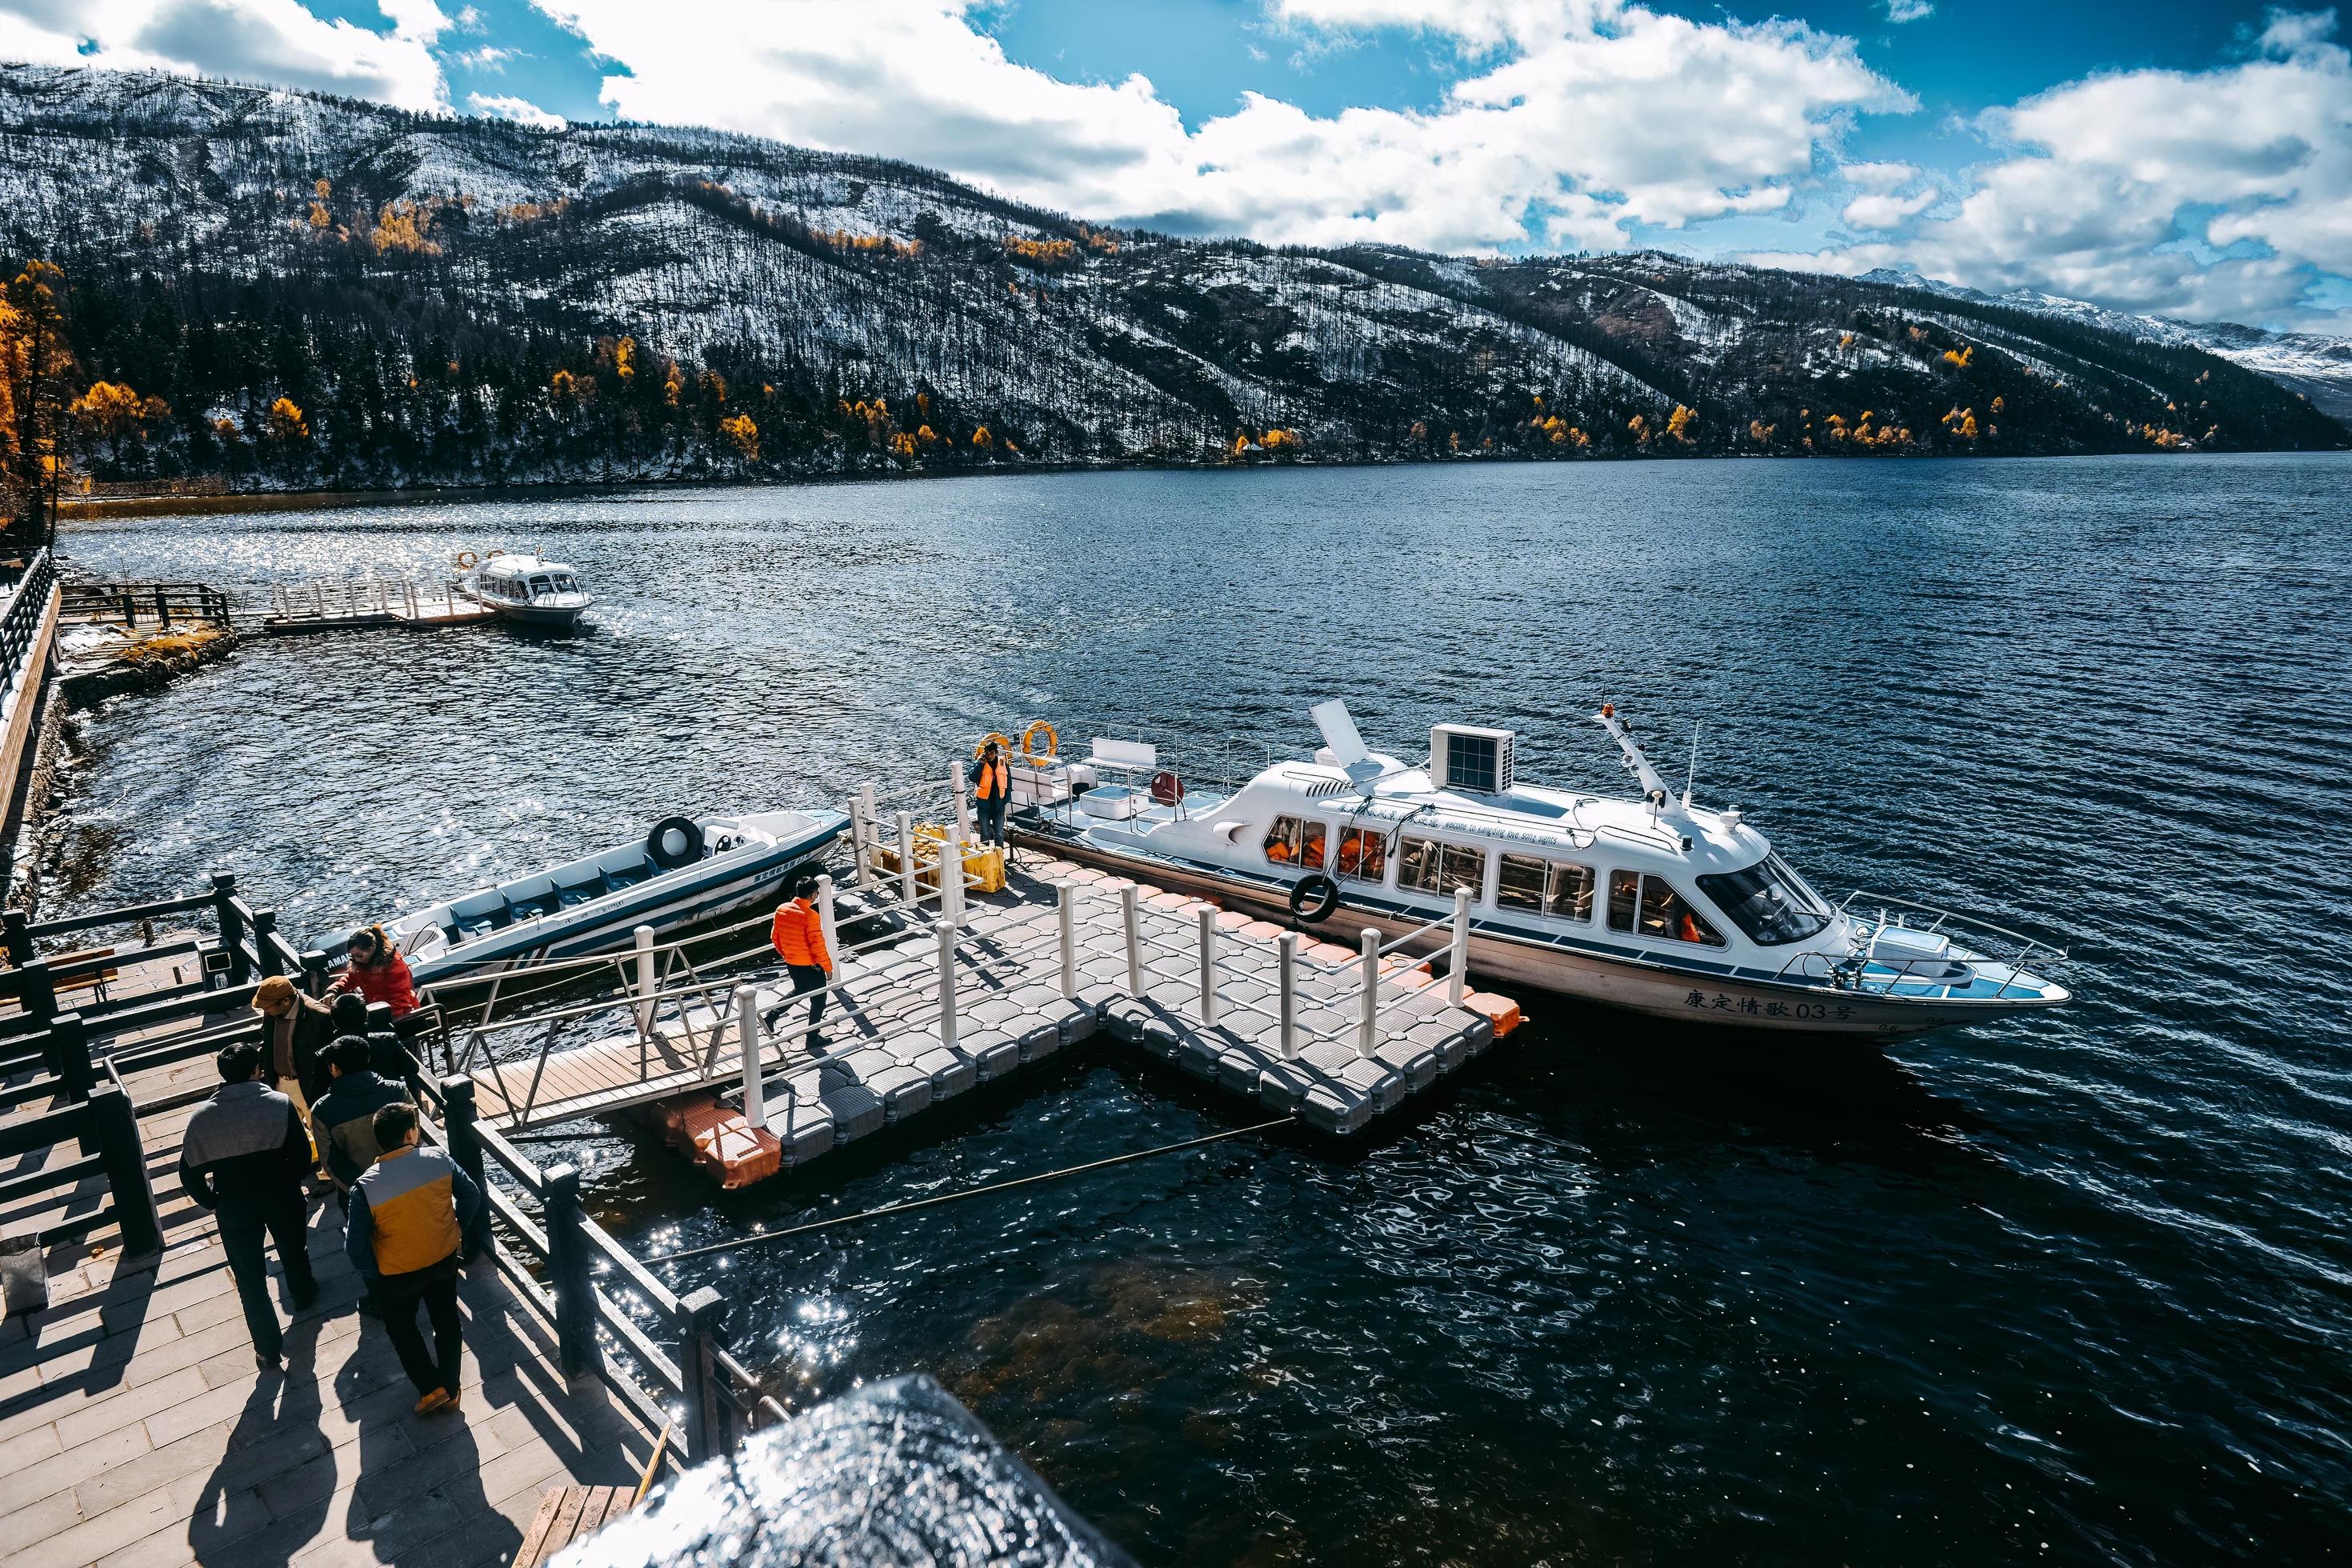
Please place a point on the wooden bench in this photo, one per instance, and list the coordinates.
(96, 980)
(567, 1514)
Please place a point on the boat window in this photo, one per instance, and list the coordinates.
(1570, 894)
(1293, 841)
(1666, 913)
(1364, 854)
(1436, 868)
(1768, 901)
(1519, 884)
(1625, 896)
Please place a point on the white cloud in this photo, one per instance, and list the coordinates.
(1899, 11)
(1877, 176)
(489, 58)
(274, 41)
(1599, 114)
(521, 110)
(1875, 211)
(2211, 194)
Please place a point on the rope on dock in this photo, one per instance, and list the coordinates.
(912, 1204)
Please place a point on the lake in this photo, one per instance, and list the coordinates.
(2076, 1288)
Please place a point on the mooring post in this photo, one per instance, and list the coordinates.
(865, 804)
(828, 923)
(1287, 987)
(1132, 919)
(19, 933)
(648, 984)
(1065, 915)
(755, 1068)
(962, 802)
(1458, 951)
(66, 1053)
(231, 920)
(708, 1431)
(461, 1133)
(1368, 1029)
(568, 1264)
(163, 608)
(114, 1122)
(947, 935)
(908, 890)
(1208, 923)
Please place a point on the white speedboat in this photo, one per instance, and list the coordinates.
(1651, 904)
(686, 871)
(528, 589)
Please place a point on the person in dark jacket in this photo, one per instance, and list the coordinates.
(991, 786)
(343, 1121)
(387, 1058)
(244, 1156)
(410, 1212)
(296, 1034)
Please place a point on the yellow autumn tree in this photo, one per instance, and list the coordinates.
(624, 358)
(981, 438)
(744, 434)
(1959, 359)
(403, 226)
(287, 423)
(1678, 423)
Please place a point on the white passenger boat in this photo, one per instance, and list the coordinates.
(1651, 904)
(528, 589)
(686, 871)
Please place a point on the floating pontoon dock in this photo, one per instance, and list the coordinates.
(350, 606)
(977, 986)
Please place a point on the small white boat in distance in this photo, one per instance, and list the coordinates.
(686, 871)
(528, 589)
(1652, 904)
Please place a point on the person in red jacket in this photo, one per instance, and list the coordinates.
(798, 933)
(377, 973)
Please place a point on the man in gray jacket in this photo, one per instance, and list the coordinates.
(244, 1157)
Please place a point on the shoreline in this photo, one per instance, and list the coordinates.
(103, 509)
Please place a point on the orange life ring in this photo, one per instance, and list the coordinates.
(1028, 736)
(992, 738)
(467, 561)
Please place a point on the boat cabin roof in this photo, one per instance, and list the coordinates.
(521, 566)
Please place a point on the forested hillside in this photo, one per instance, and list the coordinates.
(289, 290)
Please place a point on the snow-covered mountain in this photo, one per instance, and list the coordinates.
(2315, 365)
(445, 299)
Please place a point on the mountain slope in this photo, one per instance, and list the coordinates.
(448, 300)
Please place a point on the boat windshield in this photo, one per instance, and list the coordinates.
(1768, 901)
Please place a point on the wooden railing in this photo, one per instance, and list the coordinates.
(90, 1106)
(130, 604)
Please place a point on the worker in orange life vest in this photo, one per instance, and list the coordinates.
(798, 933)
(991, 782)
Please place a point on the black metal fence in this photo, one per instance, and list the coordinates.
(20, 624)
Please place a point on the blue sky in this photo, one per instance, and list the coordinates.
(2169, 157)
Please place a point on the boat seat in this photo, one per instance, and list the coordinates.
(537, 897)
(589, 884)
(629, 876)
(480, 912)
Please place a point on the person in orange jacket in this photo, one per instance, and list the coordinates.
(798, 933)
(992, 784)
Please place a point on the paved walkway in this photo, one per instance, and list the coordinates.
(135, 1428)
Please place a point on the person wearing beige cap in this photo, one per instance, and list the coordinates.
(296, 1031)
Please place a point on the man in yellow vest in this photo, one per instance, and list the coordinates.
(410, 1212)
(991, 782)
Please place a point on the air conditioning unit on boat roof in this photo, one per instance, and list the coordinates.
(1466, 758)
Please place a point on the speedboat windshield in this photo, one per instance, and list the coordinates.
(1768, 901)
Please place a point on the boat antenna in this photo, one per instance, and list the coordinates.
(1652, 787)
(1691, 777)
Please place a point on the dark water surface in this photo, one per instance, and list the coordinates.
(2077, 1289)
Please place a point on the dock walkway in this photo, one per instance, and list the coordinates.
(352, 606)
(1034, 974)
(135, 1428)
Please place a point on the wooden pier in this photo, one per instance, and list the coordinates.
(358, 606)
(1334, 1036)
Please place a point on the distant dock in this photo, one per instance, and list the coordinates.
(358, 606)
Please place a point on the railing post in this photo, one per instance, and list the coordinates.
(1131, 920)
(962, 802)
(828, 923)
(314, 974)
(567, 1264)
(114, 1125)
(66, 1053)
(162, 607)
(908, 890)
(19, 935)
(648, 980)
(460, 1134)
(265, 926)
(1368, 1027)
(947, 935)
(708, 1428)
(231, 920)
(1208, 923)
(864, 805)
(1458, 951)
(952, 879)
(1065, 915)
(1286, 986)
(37, 992)
(748, 1044)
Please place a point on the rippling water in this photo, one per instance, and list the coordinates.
(2076, 1289)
